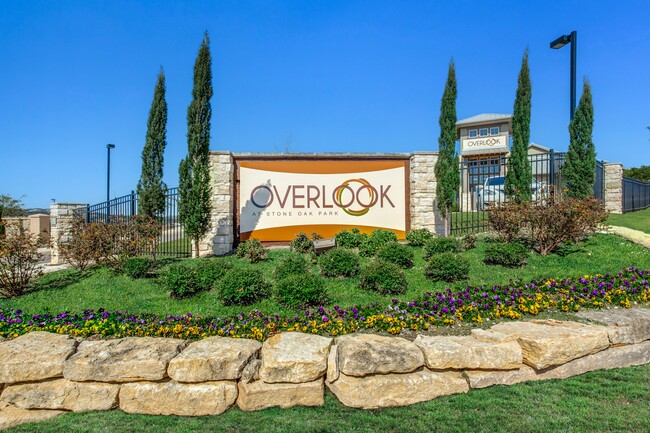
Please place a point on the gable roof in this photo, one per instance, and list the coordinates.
(484, 118)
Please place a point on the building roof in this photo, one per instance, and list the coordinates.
(484, 118)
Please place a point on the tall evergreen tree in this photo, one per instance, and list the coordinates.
(580, 168)
(194, 184)
(446, 169)
(519, 176)
(151, 188)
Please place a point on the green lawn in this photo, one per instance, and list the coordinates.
(639, 220)
(100, 288)
(603, 401)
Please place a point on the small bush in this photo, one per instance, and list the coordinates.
(210, 271)
(349, 239)
(252, 250)
(441, 245)
(447, 267)
(396, 253)
(300, 290)
(383, 277)
(339, 262)
(507, 219)
(292, 264)
(468, 242)
(419, 237)
(302, 244)
(137, 267)
(242, 286)
(511, 255)
(180, 281)
(377, 239)
(19, 259)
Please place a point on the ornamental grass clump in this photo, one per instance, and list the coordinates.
(292, 264)
(419, 237)
(242, 286)
(383, 277)
(300, 291)
(396, 253)
(252, 250)
(441, 245)
(511, 255)
(339, 262)
(447, 267)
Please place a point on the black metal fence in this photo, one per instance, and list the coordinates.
(172, 241)
(636, 195)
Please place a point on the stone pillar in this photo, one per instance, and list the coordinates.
(614, 187)
(220, 238)
(424, 213)
(61, 215)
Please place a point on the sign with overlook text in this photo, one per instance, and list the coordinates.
(498, 143)
(279, 199)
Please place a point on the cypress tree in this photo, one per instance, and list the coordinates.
(151, 189)
(446, 169)
(519, 176)
(580, 168)
(194, 184)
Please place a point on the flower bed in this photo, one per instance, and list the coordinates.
(472, 304)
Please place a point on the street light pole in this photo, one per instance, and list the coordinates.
(559, 43)
(108, 173)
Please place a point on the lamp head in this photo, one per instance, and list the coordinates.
(110, 146)
(561, 41)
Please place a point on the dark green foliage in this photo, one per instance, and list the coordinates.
(9, 207)
(242, 286)
(339, 262)
(511, 255)
(151, 188)
(418, 237)
(396, 253)
(447, 267)
(383, 277)
(180, 281)
(639, 173)
(468, 242)
(210, 271)
(441, 245)
(252, 250)
(377, 239)
(194, 188)
(519, 175)
(302, 244)
(447, 169)
(349, 239)
(137, 267)
(580, 168)
(300, 290)
(292, 264)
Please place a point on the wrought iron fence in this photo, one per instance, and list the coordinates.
(636, 195)
(172, 241)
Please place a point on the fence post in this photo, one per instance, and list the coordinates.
(552, 169)
(132, 203)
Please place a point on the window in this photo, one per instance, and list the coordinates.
(472, 133)
(494, 130)
(483, 132)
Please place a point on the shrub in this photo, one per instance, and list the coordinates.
(383, 277)
(511, 255)
(252, 250)
(339, 262)
(137, 267)
(242, 286)
(377, 239)
(302, 244)
(507, 219)
(292, 264)
(447, 267)
(419, 237)
(300, 290)
(441, 245)
(349, 239)
(180, 281)
(210, 271)
(468, 242)
(396, 253)
(79, 246)
(19, 259)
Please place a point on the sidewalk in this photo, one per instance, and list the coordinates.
(635, 236)
(44, 264)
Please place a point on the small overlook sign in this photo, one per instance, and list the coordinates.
(493, 142)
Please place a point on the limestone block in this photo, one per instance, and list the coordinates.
(364, 354)
(294, 357)
(548, 343)
(63, 394)
(251, 372)
(260, 395)
(11, 416)
(484, 378)
(628, 326)
(213, 359)
(122, 360)
(34, 356)
(388, 390)
(333, 365)
(461, 353)
(173, 398)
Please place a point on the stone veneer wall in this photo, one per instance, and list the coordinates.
(45, 374)
(61, 215)
(424, 211)
(614, 187)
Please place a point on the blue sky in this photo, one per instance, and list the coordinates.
(307, 76)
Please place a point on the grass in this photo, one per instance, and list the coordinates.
(639, 220)
(603, 401)
(100, 288)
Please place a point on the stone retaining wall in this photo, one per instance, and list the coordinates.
(43, 375)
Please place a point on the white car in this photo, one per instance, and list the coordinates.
(493, 191)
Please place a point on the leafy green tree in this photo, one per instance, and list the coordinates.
(151, 188)
(580, 167)
(639, 173)
(446, 169)
(9, 207)
(519, 175)
(194, 184)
